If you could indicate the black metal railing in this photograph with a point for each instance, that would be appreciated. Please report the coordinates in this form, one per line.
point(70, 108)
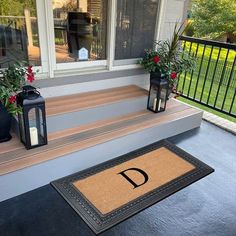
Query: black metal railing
point(213, 81)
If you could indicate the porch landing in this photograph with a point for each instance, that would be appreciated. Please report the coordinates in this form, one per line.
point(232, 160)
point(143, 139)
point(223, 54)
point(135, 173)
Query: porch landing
point(207, 207)
point(87, 129)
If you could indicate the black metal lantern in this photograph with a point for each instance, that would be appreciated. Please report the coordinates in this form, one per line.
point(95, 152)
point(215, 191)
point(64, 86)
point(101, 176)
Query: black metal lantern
point(32, 120)
point(158, 95)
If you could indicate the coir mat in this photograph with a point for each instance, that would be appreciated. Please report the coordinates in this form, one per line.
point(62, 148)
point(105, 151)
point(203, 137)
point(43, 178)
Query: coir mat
point(111, 192)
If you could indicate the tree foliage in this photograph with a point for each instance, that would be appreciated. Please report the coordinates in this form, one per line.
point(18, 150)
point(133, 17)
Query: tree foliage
point(16, 7)
point(214, 18)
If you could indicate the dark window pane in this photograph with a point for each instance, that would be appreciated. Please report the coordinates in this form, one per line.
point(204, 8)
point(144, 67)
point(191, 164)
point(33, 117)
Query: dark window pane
point(136, 20)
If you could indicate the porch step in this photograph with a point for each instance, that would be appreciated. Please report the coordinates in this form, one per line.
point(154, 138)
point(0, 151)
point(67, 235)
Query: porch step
point(86, 129)
point(13, 155)
point(69, 111)
point(84, 108)
point(77, 102)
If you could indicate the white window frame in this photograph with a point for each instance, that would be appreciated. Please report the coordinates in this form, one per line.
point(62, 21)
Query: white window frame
point(60, 67)
point(50, 68)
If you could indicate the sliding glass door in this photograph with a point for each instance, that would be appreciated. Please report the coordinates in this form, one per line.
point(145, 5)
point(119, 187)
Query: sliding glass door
point(65, 35)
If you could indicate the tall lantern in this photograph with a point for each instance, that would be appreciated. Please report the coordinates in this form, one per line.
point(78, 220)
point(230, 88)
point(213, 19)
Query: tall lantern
point(158, 95)
point(32, 120)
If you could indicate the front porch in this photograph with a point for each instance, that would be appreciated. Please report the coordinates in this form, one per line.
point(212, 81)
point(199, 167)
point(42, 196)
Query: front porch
point(96, 110)
point(204, 208)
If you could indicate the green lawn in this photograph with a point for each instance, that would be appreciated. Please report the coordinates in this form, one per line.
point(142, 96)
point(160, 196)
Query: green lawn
point(203, 83)
point(215, 53)
point(195, 104)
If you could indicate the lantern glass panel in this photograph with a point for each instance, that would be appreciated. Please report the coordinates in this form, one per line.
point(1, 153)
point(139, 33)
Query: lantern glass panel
point(22, 127)
point(153, 97)
point(36, 129)
point(41, 124)
point(33, 130)
point(163, 96)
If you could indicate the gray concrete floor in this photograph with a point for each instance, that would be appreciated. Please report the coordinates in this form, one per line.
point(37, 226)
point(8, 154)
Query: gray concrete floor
point(207, 207)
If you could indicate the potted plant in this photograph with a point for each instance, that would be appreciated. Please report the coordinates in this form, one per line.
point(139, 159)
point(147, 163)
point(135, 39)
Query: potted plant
point(12, 80)
point(167, 59)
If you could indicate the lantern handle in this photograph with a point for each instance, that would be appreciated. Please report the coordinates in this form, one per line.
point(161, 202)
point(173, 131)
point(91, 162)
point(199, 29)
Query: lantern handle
point(27, 89)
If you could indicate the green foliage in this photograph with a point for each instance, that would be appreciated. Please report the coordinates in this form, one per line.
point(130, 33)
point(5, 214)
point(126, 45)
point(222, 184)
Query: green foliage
point(168, 57)
point(11, 82)
point(13, 77)
point(16, 7)
point(5, 98)
point(189, 30)
point(214, 18)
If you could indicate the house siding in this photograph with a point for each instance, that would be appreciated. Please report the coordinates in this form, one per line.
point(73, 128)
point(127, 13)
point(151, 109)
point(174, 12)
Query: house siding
point(173, 11)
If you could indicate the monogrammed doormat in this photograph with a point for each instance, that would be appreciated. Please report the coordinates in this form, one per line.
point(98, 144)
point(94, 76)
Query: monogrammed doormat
point(111, 192)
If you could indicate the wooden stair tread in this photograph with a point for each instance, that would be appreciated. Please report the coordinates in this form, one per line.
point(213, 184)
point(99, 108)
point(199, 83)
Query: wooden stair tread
point(16, 144)
point(13, 144)
point(78, 138)
point(93, 94)
point(76, 102)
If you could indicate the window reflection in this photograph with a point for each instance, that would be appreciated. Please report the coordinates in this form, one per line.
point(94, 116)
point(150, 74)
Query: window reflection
point(80, 24)
point(18, 32)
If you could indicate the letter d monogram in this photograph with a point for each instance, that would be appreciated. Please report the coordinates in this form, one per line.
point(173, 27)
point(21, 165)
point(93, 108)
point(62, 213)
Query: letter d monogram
point(130, 180)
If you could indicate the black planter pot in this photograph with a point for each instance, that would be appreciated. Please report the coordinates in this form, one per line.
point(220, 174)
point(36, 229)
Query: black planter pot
point(5, 124)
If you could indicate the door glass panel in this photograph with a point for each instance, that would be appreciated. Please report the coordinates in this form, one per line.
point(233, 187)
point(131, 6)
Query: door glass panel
point(80, 30)
point(135, 24)
point(18, 32)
